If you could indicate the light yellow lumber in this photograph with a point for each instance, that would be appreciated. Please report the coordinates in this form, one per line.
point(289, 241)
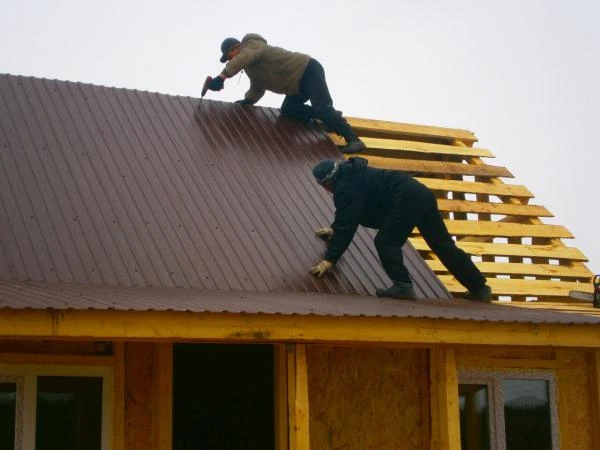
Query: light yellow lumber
point(525, 250)
point(405, 129)
point(493, 208)
point(511, 268)
point(424, 147)
point(299, 438)
point(502, 229)
point(436, 167)
point(227, 327)
point(445, 423)
point(475, 187)
point(524, 287)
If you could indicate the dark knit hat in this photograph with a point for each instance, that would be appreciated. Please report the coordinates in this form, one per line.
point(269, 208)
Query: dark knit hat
point(324, 172)
point(225, 46)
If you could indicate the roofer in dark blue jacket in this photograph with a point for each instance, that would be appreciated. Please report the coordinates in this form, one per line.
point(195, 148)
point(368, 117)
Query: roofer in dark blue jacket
point(394, 203)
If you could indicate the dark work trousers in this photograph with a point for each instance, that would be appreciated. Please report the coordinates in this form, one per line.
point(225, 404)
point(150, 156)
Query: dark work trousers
point(313, 87)
point(414, 205)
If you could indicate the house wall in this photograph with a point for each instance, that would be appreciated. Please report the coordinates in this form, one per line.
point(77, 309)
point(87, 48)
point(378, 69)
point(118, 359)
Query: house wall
point(359, 397)
point(368, 398)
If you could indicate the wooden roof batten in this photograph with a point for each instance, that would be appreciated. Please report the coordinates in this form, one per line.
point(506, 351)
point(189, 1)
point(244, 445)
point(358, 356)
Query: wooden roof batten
point(494, 221)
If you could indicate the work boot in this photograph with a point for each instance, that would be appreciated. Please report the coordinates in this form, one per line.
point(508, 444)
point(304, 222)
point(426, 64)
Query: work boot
point(353, 145)
point(398, 290)
point(483, 294)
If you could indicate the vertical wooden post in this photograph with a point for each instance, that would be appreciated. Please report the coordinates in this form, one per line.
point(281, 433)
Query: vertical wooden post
point(299, 438)
point(281, 397)
point(445, 420)
point(119, 396)
point(163, 396)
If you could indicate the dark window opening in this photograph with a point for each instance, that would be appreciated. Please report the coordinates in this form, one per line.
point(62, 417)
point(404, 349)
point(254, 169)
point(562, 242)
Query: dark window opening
point(69, 413)
point(223, 397)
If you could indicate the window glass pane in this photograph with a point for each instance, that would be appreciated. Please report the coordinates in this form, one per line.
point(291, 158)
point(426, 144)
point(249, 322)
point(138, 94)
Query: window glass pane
point(8, 407)
point(474, 417)
point(527, 414)
point(69, 413)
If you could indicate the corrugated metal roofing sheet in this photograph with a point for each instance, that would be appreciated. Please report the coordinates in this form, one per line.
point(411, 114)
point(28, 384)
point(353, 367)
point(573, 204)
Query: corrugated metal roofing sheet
point(120, 187)
point(65, 296)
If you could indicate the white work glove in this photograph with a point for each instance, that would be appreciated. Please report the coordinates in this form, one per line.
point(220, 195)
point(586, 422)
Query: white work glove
point(320, 269)
point(325, 233)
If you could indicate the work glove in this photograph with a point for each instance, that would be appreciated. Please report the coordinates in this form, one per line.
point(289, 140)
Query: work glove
point(325, 233)
point(320, 269)
point(216, 84)
point(244, 101)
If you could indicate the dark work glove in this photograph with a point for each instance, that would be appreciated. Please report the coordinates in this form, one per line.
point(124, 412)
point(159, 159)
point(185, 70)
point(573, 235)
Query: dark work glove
point(245, 101)
point(216, 84)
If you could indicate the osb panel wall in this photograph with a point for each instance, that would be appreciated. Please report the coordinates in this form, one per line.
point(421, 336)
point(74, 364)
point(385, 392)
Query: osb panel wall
point(574, 386)
point(139, 360)
point(368, 398)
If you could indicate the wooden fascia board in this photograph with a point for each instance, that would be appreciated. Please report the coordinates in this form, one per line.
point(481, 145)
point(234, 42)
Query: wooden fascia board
point(169, 325)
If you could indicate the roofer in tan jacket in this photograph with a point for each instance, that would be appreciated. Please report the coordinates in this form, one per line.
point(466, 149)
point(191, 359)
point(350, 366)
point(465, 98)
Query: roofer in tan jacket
point(298, 76)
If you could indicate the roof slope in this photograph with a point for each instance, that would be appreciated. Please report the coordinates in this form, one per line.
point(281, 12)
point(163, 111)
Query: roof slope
point(110, 186)
point(490, 218)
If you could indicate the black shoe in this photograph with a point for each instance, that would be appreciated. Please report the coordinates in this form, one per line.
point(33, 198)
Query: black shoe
point(398, 290)
point(483, 294)
point(353, 145)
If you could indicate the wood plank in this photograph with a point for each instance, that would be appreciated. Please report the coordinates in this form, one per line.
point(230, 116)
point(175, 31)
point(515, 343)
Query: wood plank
point(153, 325)
point(493, 208)
point(475, 187)
point(527, 251)
point(445, 423)
point(162, 410)
point(510, 268)
point(406, 129)
point(299, 438)
point(436, 167)
point(524, 287)
point(424, 147)
point(281, 397)
point(502, 229)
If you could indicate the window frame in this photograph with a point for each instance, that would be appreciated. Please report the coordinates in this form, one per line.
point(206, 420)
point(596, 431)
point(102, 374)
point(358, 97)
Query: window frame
point(493, 379)
point(25, 375)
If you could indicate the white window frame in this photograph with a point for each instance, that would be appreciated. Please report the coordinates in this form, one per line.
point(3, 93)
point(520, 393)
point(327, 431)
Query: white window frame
point(493, 380)
point(25, 375)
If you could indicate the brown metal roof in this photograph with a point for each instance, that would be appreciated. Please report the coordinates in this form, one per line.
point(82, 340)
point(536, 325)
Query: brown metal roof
point(117, 187)
point(72, 296)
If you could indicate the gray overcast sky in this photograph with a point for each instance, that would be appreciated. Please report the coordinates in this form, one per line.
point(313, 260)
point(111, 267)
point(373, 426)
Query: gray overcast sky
point(521, 74)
